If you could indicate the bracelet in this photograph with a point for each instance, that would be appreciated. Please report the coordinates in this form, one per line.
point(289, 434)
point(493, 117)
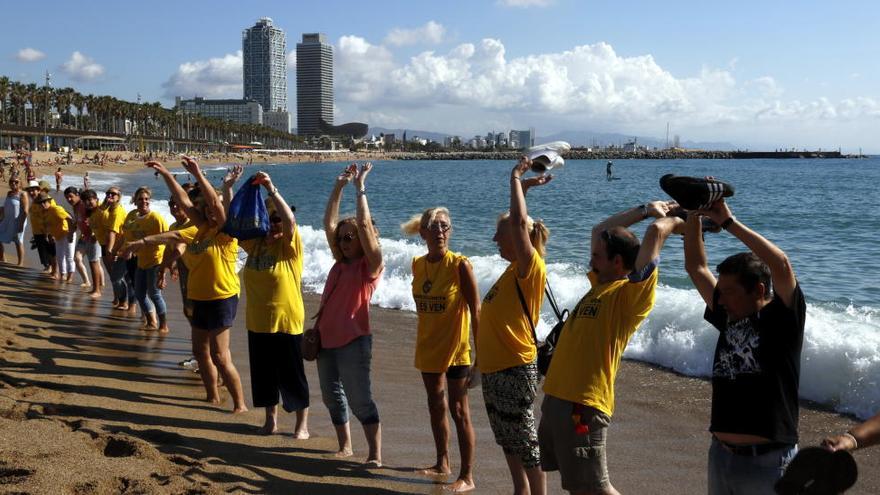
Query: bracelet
point(273, 192)
point(644, 209)
point(855, 442)
point(361, 192)
point(727, 223)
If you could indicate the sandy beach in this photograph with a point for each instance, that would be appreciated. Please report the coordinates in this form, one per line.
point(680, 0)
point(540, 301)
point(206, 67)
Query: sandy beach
point(91, 404)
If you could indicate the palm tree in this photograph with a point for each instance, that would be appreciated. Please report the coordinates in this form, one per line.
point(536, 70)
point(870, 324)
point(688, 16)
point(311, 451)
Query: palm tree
point(4, 95)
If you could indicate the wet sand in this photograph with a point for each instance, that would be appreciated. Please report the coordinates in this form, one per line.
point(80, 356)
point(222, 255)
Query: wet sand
point(91, 404)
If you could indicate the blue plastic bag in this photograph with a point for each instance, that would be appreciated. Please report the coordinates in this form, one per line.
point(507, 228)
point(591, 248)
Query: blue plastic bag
point(248, 217)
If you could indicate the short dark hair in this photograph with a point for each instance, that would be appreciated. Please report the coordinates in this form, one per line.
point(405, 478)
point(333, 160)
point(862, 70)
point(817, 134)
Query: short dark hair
point(749, 271)
point(88, 194)
point(620, 241)
point(71, 189)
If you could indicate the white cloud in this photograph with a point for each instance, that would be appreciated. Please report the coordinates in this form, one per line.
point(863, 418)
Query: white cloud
point(291, 60)
point(524, 3)
point(431, 33)
point(219, 77)
point(361, 70)
point(29, 55)
point(82, 68)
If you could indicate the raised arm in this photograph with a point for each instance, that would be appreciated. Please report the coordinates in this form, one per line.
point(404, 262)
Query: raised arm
point(212, 201)
point(178, 194)
point(656, 209)
point(519, 213)
point(331, 213)
point(695, 262)
point(229, 180)
point(366, 230)
point(288, 220)
point(781, 271)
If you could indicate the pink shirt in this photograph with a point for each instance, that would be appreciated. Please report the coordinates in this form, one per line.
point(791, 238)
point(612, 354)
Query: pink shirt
point(346, 303)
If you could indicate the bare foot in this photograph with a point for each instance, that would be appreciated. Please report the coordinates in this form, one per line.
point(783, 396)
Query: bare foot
point(121, 307)
point(239, 410)
point(460, 486)
point(215, 401)
point(343, 453)
point(268, 429)
point(95, 295)
point(372, 463)
point(435, 470)
point(301, 435)
point(163, 329)
point(85, 285)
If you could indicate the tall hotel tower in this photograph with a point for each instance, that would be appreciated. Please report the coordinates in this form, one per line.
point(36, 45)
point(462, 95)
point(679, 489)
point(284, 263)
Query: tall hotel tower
point(264, 48)
point(314, 84)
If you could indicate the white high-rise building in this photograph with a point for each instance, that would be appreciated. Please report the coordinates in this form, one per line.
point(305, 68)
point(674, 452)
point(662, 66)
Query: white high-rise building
point(264, 53)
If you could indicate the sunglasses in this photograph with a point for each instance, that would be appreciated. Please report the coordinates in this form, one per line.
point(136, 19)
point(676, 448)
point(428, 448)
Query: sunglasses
point(439, 227)
point(347, 237)
point(112, 193)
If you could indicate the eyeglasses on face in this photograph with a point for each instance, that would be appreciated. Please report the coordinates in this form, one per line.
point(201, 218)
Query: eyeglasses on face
point(347, 237)
point(439, 227)
point(112, 193)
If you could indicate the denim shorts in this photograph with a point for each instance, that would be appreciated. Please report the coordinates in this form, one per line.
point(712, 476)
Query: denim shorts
point(90, 250)
point(218, 314)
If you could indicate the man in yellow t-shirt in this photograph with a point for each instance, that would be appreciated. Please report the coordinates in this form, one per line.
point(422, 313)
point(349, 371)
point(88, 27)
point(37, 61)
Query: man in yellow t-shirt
point(579, 389)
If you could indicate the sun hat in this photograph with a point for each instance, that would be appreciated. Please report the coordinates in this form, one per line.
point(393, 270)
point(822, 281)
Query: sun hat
point(695, 193)
point(33, 185)
point(44, 185)
point(43, 197)
point(547, 156)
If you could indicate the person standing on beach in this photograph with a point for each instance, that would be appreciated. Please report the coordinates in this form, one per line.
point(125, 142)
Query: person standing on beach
point(37, 214)
point(59, 176)
point(110, 218)
point(72, 195)
point(275, 312)
point(14, 219)
point(213, 285)
point(62, 228)
point(579, 389)
point(506, 343)
point(88, 242)
point(447, 302)
point(757, 305)
point(344, 319)
point(148, 294)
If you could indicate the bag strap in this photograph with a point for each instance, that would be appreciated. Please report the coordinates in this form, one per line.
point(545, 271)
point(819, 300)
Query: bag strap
point(525, 307)
point(560, 315)
point(317, 316)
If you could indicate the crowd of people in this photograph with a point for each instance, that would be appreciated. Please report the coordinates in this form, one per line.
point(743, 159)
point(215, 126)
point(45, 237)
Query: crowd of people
point(755, 302)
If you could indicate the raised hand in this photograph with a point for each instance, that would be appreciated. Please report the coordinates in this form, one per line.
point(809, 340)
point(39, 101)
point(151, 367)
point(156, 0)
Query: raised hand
point(659, 209)
point(232, 175)
point(262, 178)
point(361, 176)
point(521, 167)
point(347, 175)
point(718, 212)
point(538, 180)
point(190, 165)
point(157, 167)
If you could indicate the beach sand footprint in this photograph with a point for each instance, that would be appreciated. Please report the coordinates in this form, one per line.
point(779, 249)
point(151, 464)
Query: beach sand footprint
point(11, 475)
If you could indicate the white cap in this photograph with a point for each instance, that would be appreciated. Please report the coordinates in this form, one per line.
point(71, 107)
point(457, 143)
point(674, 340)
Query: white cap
point(547, 156)
point(33, 183)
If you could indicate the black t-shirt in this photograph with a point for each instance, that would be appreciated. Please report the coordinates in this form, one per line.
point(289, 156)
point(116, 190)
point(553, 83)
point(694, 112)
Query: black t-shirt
point(756, 370)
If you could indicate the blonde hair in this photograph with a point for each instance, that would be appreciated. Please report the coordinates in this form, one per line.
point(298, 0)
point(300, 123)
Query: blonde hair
point(417, 222)
point(539, 234)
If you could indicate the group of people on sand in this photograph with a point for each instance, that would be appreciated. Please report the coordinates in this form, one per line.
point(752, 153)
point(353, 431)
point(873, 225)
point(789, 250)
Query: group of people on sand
point(755, 302)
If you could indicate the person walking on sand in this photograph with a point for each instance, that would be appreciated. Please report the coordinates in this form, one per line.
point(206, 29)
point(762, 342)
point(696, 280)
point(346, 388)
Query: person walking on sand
point(757, 305)
point(579, 389)
point(72, 195)
point(13, 219)
point(62, 228)
point(447, 302)
point(59, 176)
point(275, 312)
point(88, 242)
point(344, 319)
point(147, 292)
point(506, 347)
point(213, 285)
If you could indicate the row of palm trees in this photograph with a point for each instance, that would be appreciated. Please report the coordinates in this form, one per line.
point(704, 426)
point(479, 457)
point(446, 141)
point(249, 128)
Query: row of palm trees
point(44, 107)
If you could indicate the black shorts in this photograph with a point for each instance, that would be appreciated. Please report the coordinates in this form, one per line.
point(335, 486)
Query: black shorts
point(454, 372)
point(277, 370)
point(218, 314)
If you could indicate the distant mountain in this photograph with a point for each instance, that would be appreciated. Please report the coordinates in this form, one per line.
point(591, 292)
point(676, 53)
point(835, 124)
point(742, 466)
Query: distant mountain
point(603, 139)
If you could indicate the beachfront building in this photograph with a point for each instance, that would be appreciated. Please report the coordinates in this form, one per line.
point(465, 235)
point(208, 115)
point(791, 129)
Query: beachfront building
point(264, 63)
point(522, 139)
point(238, 111)
point(314, 84)
point(278, 120)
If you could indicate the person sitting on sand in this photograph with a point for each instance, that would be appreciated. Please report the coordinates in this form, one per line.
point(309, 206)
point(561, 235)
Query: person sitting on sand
point(447, 302)
point(758, 307)
point(88, 242)
point(579, 389)
point(62, 228)
point(148, 294)
point(344, 318)
point(213, 284)
point(13, 219)
point(506, 346)
point(72, 195)
point(275, 312)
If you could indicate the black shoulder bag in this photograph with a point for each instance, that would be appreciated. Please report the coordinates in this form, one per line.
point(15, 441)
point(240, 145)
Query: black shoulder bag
point(545, 350)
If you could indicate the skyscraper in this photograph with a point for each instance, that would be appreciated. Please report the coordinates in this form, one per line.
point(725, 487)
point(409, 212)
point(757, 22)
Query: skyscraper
point(314, 84)
point(264, 49)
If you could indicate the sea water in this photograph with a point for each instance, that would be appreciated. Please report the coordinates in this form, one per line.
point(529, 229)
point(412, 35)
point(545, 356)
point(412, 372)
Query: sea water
point(822, 213)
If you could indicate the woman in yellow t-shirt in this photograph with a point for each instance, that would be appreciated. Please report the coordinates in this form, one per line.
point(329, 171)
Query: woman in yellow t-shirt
point(213, 282)
point(146, 222)
point(275, 312)
point(447, 302)
point(506, 347)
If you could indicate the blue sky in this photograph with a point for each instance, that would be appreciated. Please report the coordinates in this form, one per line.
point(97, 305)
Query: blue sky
point(758, 74)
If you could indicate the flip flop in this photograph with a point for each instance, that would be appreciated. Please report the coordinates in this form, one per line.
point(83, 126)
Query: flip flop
point(817, 471)
point(695, 193)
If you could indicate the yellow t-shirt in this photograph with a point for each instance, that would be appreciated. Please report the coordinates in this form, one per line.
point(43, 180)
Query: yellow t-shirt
point(113, 221)
point(505, 339)
point(37, 216)
point(444, 316)
point(588, 353)
point(273, 284)
point(187, 228)
point(56, 222)
point(210, 257)
point(96, 222)
point(137, 227)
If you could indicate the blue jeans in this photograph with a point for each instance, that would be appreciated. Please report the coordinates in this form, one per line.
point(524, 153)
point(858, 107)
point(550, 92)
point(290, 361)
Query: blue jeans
point(149, 297)
point(117, 279)
point(344, 373)
point(733, 474)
